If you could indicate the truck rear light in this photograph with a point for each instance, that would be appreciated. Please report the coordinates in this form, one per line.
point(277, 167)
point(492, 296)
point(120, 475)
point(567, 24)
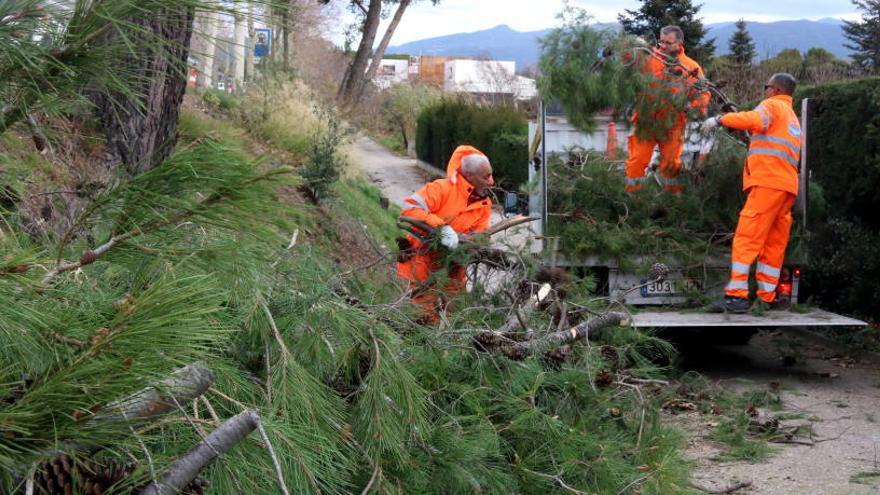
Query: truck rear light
point(783, 289)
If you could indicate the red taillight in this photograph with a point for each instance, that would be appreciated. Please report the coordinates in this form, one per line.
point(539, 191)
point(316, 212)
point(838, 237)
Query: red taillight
point(784, 289)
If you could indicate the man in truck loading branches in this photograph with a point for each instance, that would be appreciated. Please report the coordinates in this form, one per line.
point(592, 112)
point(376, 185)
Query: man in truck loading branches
point(458, 204)
point(668, 63)
point(770, 178)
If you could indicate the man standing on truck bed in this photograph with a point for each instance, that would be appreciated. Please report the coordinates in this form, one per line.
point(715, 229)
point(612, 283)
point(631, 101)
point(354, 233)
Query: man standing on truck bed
point(770, 178)
point(669, 63)
point(458, 204)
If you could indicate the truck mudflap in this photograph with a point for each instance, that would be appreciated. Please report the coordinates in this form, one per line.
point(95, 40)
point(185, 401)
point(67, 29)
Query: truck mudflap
point(770, 319)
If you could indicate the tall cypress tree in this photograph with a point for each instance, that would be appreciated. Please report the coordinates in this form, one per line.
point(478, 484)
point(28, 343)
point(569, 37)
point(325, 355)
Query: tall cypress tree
point(865, 35)
point(742, 48)
point(654, 14)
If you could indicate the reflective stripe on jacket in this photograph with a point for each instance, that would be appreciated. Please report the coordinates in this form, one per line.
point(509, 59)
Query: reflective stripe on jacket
point(445, 201)
point(775, 150)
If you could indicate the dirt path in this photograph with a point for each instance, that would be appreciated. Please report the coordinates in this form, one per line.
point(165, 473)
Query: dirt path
point(396, 176)
point(836, 394)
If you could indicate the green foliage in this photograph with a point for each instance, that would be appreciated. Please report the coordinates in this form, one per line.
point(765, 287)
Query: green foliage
point(865, 35)
point(655, 14)
point(844, 146)
point(361, 200)
point(220, 100)
point(574, 72)
point(402, 107)
point(594, 216)
point(500, 132)
point(324, 160)
point(282, 113)
point(577, 70)
point(741, 46)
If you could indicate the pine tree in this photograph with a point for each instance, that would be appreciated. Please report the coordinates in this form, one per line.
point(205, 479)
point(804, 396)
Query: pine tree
point(654, 14)
point(865, 35)
point(742, 48)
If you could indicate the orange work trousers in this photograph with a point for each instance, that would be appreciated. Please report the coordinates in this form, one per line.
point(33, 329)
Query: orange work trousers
point(417, 270)
point(639, 155)
point(762, 234)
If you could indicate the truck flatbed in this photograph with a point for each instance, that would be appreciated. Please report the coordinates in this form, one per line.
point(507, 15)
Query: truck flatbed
point(770, 319)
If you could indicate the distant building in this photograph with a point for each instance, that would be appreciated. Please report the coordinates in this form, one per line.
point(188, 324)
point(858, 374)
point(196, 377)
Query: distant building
point(390, 72)
point(481, 78)
point(487, 77)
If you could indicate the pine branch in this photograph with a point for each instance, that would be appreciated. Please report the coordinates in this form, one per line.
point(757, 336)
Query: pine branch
point(184, 385)
point(91, 255)
point(220, 441)
point(496, 340)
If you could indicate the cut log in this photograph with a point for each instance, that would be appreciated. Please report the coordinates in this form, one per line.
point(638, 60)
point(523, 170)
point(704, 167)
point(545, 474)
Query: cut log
point(185, 469)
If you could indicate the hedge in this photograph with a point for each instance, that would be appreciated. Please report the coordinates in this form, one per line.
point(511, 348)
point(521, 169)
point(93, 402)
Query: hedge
point(844, 158)
point(501, 132)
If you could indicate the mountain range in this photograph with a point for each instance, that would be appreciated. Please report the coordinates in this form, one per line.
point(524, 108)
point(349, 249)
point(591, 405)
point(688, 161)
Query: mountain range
point(504, 43)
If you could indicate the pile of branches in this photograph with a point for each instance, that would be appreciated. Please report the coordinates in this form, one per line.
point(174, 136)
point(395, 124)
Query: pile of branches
point(594, 216)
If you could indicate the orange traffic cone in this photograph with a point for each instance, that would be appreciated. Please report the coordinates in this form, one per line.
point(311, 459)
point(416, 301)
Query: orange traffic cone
point(611, 142)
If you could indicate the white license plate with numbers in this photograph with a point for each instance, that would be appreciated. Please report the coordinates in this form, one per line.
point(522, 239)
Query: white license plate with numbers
point(670, 287)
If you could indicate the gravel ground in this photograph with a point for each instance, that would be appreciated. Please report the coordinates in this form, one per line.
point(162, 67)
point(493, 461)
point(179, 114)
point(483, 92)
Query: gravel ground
point(837, 393)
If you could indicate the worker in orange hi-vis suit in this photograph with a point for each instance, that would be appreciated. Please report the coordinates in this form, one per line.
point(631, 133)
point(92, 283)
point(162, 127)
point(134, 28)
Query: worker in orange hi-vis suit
point(770, 178)
point(669, 63)
point(458, 204)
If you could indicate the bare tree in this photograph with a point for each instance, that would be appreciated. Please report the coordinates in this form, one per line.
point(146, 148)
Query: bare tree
point(352, 87)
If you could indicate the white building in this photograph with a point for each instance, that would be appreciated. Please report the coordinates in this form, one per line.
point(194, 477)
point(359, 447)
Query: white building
point(487, 77)
point(391, 71)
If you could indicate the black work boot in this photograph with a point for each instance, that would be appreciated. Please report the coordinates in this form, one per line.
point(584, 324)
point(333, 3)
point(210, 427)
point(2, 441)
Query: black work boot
point(730, 304)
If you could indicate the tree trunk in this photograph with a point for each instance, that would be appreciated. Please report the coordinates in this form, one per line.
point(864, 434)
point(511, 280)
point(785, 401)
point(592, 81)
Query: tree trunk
point(251, 34)
point(239, 47)
point(204, 46)
point(383, 45)
point(354, 76)
point(141, 130)
point(290, 30)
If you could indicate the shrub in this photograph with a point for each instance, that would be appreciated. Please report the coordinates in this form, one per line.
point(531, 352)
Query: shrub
point(500, 132)
point(844, 158)
point(324, 161)
point(220, 100)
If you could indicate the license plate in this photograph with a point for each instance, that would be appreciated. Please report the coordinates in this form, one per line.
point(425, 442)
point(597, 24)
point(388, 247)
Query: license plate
point(669, 287)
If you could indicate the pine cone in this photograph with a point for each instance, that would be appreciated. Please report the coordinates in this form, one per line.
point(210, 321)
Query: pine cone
point(610, 355)
point(658, 272)
point(604, 378)
point(64, 476)
point(88, 257)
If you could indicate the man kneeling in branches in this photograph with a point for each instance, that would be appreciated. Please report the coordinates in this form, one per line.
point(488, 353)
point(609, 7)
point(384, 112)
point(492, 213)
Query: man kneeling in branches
point(458, 204)
point(669, 65)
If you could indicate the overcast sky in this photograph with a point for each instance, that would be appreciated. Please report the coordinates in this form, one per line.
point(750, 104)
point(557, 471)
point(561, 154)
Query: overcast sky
point(457, 16)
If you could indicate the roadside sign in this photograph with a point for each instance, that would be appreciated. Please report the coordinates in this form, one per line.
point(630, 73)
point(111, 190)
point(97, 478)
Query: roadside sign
point(262, 42)
point(193, 77)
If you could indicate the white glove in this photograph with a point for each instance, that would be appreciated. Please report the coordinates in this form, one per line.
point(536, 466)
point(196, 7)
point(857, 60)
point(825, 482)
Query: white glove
point(709, 125)
point(448, 237)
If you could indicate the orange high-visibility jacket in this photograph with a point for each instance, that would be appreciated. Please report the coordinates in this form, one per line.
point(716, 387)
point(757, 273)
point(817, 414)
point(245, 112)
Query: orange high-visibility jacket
point(655, 66)
point(775, 150)
point(445, 201)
